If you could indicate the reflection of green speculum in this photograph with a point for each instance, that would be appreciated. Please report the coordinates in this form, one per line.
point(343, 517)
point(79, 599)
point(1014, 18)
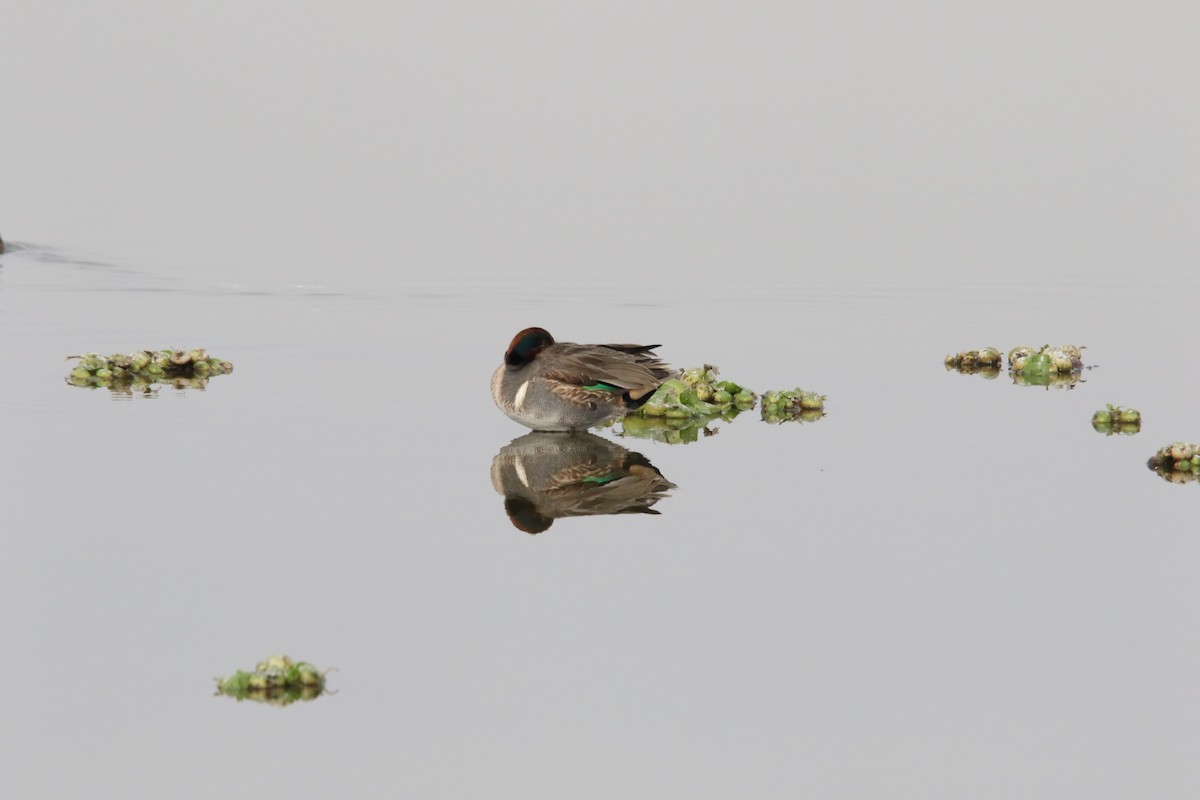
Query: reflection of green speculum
point(126, 372)
point(278, 681)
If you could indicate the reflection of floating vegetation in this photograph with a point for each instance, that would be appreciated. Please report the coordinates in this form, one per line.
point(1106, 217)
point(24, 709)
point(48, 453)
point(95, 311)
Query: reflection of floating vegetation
point(136, 372)
point(1115, 419)
point(669, 430)
point(1047, 380)
point(1178, 462)
point(545, 476)
point(697, 393)
point(792, 405)
point(278, 681)
point(986, 361)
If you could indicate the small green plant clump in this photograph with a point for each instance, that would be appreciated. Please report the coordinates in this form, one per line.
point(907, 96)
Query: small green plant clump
point(1065, 358)
point(986, 361)
point(278, 681)
point(698, 393)
point(1178, 462)
point(184, 368)
point(1115, 419)
point(792, 405)
point(1046, 366)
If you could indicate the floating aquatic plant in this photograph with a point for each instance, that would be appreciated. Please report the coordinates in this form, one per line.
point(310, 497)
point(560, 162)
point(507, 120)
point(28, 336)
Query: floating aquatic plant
point(986, 361)
point(1046, 366)
point(278, 681)
point(697, 393)
point(1115, 419)
point(1178, 462)
point(792, 405)
point(139, 371)
point(1062, 359)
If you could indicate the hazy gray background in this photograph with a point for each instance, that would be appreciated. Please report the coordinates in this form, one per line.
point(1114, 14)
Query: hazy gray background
point(391, 141)
point(948, 587)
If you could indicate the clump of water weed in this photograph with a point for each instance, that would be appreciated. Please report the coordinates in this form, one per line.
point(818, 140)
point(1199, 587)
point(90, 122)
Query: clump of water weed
point(1115, 419)
point(277, 681)
point(141, 370)
point(792, 405)
point(1178, 462)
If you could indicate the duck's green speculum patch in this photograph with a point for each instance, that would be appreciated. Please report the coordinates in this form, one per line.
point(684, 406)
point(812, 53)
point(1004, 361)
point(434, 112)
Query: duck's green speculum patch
point(278, 681)
point(1178, 462)
point(138, 371)
point(1115, 419)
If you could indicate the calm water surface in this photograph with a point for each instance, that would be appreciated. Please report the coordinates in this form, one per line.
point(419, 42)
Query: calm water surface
point(948, 587)
point(946, 583)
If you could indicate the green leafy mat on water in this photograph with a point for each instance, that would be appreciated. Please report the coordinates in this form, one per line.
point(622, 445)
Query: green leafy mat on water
point(138, 371)
point(1046, 366)
point(278, 681)
point(697, 392)
point(681, 409)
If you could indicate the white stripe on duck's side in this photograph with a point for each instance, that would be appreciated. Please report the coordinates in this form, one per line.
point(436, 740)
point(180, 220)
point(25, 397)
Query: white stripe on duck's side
point(521, 473)
point(520, 398)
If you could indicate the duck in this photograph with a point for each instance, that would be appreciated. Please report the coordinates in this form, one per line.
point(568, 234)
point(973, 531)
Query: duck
point(562, 386)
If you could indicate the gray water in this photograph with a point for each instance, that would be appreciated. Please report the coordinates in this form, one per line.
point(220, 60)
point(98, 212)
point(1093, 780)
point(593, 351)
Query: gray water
point(947, 587)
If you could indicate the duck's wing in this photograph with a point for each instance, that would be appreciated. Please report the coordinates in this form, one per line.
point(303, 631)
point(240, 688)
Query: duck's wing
point(608, 368)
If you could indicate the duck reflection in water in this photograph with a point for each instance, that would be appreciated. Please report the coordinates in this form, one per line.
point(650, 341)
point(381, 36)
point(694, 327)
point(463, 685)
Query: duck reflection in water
point(544, 476)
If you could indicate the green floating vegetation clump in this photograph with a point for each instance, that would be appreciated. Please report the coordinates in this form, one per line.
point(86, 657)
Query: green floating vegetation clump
point(278, 681)
point(791, 405)
point(127, 372)
point(1115, 419)
point(698, 393)
point(1046, 366)
point(1063, 359)
point(1178, 462)
point(986, 361)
